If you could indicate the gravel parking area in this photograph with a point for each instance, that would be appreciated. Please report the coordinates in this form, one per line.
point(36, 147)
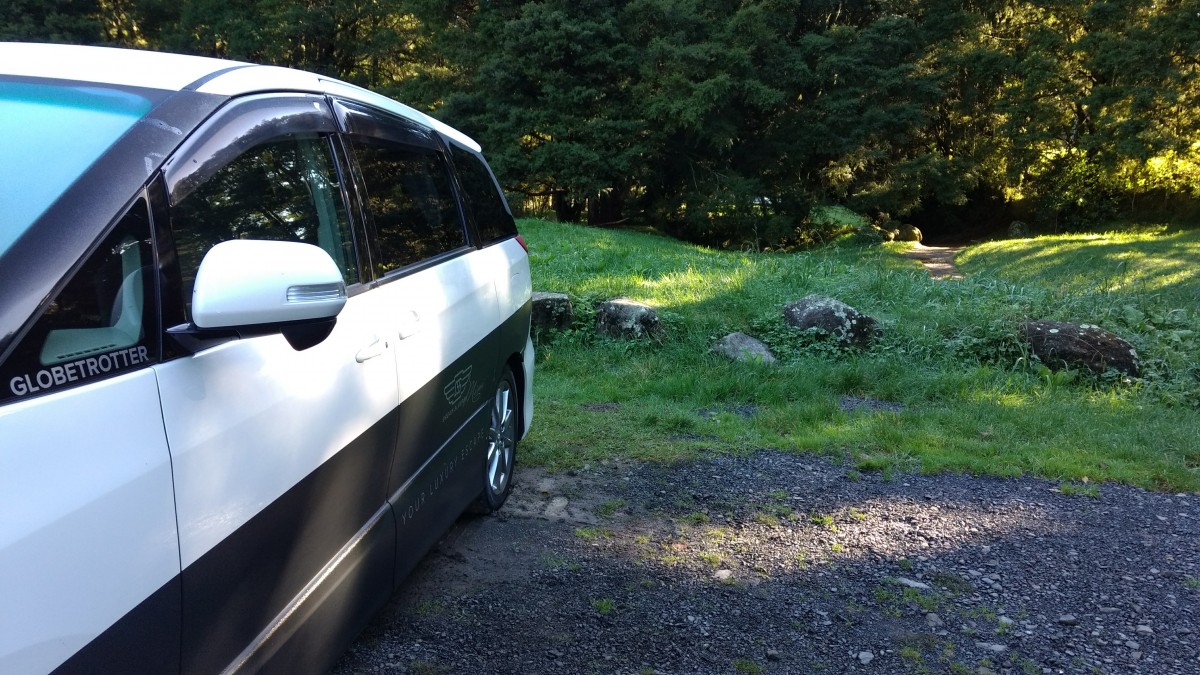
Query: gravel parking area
point(782, 563)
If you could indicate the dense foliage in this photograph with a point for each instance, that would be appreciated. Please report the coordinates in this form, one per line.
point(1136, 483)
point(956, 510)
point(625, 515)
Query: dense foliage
point(730, 120)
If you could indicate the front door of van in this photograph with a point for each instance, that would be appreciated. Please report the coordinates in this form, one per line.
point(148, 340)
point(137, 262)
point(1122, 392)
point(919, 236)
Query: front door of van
point(280, 456)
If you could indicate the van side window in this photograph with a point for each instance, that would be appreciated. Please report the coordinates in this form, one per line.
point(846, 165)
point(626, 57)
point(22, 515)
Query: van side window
point(96, 325)
point(410, 201)
point(284, 190)
point(483, 200)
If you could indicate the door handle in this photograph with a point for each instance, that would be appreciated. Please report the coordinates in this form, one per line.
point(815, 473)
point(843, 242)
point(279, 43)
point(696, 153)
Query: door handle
point(372, 350)
point(410, 324)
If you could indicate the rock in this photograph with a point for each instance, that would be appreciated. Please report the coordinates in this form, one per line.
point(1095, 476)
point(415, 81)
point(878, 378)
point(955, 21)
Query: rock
point(1018, 230)
point(627, 319)
point(912, 584)
point(1061, 344)
point(934, 620)
point(908, 233)
point(772, 655)
point(839, 320)
point(551, 311)
point(742, 347)
point(1145, 630)
point(865, 657)
point(723, 575)
point(557, 507)
point(1068, 620)
point(992, 647)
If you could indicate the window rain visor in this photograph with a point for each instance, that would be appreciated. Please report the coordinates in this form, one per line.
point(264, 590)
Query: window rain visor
point(49, 135)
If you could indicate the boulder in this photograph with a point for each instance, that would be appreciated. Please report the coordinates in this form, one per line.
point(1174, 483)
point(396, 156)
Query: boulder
point(626, 319)
point(1061, 344)
point(1018, 230)
point(834, 317)
point(551, 311)
point(742, 347)
point(908, 233)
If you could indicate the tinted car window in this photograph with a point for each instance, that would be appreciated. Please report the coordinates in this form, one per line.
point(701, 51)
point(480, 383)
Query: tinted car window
point(284, 190)
point(410, 202)
point(485, 205)
point(95, 326)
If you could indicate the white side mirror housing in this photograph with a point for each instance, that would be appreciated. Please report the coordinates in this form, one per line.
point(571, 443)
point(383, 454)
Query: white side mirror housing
point(247, 282)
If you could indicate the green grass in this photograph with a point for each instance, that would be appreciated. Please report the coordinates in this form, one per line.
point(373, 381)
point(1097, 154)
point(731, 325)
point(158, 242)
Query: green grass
point(1075, 489)
point(603, 606)
point(746, 666)
point(591, 534)
point(949, 353)
point(609, 508)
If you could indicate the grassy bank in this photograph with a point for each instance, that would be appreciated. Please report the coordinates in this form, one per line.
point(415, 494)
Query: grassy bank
point(950, 355)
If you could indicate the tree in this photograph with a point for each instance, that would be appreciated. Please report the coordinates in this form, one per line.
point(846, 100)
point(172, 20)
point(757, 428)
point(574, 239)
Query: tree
point(69, 21)
point(548, 94)
point(375, 44)
point(725, 120)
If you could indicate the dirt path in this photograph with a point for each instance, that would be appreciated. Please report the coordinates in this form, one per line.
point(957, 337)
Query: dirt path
point(792, 563)
point(939, 260)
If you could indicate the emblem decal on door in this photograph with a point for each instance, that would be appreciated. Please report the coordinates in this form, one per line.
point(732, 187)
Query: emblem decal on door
point(456, 391)
point(460, 390)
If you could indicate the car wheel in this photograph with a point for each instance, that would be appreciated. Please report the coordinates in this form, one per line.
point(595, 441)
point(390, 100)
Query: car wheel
point(501, 454)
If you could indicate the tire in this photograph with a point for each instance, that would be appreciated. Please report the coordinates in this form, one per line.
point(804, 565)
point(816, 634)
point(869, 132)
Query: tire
point(500, 458)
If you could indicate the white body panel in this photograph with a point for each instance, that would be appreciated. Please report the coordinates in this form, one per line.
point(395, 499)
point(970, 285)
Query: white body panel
point(513, 265)
point(87, 520)
point(154, 70)
point(251, 418)
point(509, 266)
point(527, 397)
point(438, 314)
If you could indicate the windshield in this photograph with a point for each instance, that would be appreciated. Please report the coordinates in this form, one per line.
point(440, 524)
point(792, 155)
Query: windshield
point(49, 135)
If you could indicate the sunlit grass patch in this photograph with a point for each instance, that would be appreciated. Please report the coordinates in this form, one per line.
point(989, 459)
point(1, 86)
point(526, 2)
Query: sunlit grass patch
point(959, 388)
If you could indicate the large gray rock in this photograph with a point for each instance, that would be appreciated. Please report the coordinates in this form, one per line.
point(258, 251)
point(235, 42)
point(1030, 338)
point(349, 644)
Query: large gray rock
point(742, 347)
point(834, 317)
point(551, 311)
point(1061, 344)
point(627, 319)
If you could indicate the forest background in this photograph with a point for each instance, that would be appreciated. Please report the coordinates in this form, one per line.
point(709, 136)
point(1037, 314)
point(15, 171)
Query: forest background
point(728, 122)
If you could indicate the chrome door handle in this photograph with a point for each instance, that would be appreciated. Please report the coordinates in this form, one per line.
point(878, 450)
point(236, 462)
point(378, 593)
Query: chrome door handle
point(372, 350)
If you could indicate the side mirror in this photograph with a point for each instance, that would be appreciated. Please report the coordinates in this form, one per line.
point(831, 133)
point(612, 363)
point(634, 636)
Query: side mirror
point(248, 287)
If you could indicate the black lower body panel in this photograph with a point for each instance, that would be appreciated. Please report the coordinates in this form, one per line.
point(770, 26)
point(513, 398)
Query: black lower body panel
point(146, 640)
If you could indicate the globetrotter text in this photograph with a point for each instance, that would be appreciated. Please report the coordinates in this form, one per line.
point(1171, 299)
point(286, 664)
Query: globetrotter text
point(73, 371)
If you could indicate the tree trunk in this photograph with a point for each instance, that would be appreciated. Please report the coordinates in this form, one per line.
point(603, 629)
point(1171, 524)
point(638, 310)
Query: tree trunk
point(568, 210)
point(606, 208)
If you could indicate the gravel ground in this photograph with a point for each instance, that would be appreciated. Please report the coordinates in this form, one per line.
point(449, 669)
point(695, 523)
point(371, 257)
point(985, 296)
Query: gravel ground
point(782, 563)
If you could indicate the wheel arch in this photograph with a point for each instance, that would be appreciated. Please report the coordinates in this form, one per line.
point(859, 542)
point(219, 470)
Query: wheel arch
point(522, 365)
